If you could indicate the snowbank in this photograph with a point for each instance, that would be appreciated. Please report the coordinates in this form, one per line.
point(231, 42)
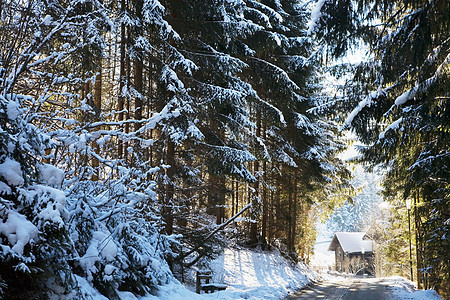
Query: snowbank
point(248, 275)
point(403, 288)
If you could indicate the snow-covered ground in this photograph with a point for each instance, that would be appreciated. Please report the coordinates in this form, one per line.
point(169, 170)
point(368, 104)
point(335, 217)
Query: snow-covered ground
point(403, 288)
point(266, 275)
point(248, 275)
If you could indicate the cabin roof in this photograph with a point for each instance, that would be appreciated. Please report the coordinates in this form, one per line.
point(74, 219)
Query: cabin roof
point(351, 242)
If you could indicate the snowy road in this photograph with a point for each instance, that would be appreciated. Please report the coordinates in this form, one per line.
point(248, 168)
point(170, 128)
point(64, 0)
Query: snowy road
point(349, 289)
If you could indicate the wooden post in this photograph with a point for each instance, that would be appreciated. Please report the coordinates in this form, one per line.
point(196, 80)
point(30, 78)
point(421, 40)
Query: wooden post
point(197, 283)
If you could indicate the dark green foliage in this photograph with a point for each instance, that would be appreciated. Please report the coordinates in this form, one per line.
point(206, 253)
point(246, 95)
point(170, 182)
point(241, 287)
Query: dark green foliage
point(402, 97)
point(337, 27)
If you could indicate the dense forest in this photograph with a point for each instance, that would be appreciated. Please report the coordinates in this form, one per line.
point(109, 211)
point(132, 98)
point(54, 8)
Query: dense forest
point(134, 132)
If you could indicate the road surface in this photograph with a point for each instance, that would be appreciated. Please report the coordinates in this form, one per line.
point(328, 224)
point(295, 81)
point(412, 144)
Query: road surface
point(346, 289)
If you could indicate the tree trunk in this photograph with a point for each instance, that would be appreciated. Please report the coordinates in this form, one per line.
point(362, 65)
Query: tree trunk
point(255, 216)
point(264, 197)
point(215, 203)
point(237, 197)
point(271, 214)
point(97, 109)
point(138, 69)
point(294, 213)
point(121, 100)
point(289, 236)
point(168, 199)
point(127, 100)
point(138, 84)
point(233, 197)
point(222, 189)
point(279, 223)
point(216, 191)
point(418, 240)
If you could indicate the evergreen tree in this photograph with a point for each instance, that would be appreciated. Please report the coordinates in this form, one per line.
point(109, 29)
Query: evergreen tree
point(34, 228)
point(398, 100)
point(103, 229)
point(299, 145)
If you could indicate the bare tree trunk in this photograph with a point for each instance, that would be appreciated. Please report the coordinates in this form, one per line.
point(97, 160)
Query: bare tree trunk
point(271, 216)
point(122, 74)
point(294, 213)
point(264, 196)
point(233, 197)
point(222, 187)
point(150, 106)
point(289, 235)
point(168, 199)
point(127, 100)
point(256, 186)
point(278, 209)
point(138, 68)
point(215, 192)
point(237, 197)
point(97, 109)
point(418, 241)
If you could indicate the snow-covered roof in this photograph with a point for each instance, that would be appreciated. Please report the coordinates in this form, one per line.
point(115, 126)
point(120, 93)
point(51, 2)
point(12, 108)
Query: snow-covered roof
point(351, 242)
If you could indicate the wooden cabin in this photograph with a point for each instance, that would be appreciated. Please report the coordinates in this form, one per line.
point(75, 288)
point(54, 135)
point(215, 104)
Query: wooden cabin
point(353, 253)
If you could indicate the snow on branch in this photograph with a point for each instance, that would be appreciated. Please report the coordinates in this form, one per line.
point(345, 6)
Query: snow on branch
point(434, 54)
point(392, 126)
point(303, 122)
point(285, 158)
point(424, 159)
point(262, 18)
point(153, 14)
point(32, 51)
point(19, 231)
point(424, 86)
point(315, 17)
point(403, 98)
point(367, 101)
point(279, 73)
point(222, 94)
point(268, 11)
point(270, 107)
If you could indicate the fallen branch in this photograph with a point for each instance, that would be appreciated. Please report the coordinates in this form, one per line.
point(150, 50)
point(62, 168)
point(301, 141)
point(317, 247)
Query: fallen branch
point(219, 228)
